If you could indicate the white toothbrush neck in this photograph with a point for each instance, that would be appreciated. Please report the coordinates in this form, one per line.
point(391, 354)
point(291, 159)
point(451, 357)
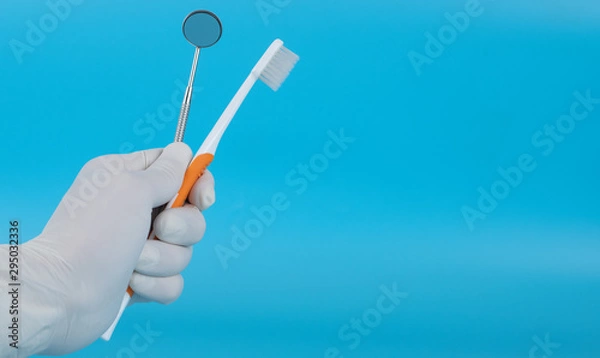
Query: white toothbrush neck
point(212, 140)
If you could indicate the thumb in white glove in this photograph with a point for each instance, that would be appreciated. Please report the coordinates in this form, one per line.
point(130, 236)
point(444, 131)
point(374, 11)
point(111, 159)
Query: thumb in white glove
point(76, 272)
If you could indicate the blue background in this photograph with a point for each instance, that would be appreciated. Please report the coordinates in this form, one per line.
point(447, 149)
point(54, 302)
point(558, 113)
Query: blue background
point(386, 211)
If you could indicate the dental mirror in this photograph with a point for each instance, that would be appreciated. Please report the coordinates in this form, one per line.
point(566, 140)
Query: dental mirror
point(202, 28)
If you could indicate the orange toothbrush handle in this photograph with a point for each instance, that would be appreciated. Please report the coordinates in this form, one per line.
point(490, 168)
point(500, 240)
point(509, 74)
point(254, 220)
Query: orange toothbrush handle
point(192, 174)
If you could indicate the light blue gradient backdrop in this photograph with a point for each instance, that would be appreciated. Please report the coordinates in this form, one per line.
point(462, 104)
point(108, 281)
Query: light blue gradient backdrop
point(388, 210)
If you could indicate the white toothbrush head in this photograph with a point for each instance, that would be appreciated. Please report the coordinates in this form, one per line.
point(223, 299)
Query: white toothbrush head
point(275, 65)
point(273, 68)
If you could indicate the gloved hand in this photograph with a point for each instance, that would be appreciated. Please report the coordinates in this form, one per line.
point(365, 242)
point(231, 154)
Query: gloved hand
point(75, 273)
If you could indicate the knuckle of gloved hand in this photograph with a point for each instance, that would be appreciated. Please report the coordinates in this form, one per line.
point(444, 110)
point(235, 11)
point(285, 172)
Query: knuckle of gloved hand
point(174, 291)
point(91, 164)
point(183, 227)
point(185, 256)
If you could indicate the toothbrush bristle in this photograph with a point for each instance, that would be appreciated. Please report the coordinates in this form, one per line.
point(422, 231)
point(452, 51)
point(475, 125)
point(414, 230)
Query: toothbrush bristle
point(279, 68)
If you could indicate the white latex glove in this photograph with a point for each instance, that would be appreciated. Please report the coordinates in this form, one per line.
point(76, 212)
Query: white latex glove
point(75, 273)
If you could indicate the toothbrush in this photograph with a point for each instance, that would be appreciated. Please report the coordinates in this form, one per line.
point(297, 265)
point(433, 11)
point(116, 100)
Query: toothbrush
point(273, 68)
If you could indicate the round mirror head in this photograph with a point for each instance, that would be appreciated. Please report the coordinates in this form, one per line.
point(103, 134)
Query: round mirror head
point(202, 28)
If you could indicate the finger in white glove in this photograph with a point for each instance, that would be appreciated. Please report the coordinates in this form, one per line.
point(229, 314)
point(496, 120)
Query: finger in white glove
point(203, 192)
point(156, 277)
point(164, 175)
point(163, 290)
